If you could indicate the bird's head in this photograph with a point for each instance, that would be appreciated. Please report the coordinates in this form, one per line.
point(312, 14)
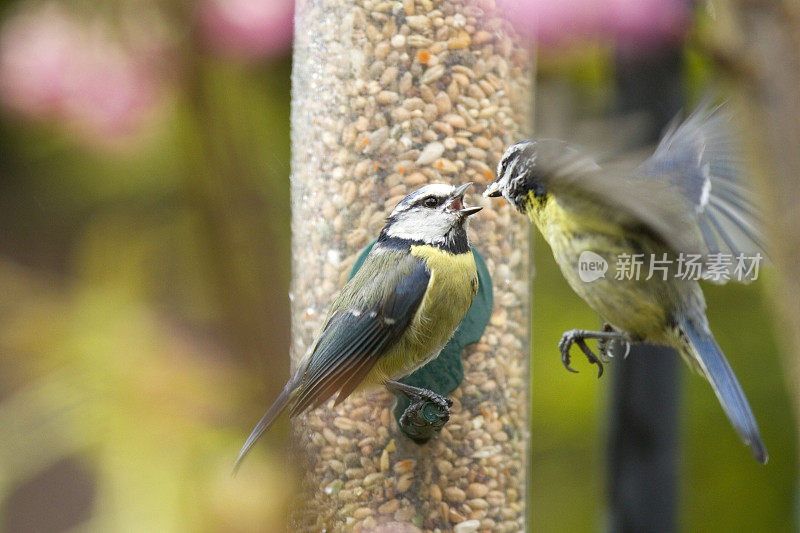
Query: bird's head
point(434, 214)
point(517, 175)
point(530, 168)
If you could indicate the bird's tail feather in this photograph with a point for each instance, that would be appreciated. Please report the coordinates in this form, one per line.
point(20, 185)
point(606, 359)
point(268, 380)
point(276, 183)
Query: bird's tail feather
point(711, 361)
point(274, 411)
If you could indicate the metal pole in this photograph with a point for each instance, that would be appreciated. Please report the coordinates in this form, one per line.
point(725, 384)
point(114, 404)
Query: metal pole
point(643, 428)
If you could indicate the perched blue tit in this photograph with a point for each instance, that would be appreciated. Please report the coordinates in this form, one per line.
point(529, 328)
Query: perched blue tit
point(395, 314)
point(688, 197)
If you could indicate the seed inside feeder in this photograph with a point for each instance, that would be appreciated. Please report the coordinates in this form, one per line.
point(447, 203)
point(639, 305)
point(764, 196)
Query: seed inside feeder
point(435, 98)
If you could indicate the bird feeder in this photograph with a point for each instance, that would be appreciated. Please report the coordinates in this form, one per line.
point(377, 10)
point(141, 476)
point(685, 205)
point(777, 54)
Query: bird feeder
point(388, 96)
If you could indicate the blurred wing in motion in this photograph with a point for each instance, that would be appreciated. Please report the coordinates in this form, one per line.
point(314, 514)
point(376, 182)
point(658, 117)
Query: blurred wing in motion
point(654, 206)
point(699, 158)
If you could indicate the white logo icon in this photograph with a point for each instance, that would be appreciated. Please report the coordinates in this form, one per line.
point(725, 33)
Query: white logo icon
point(591, 266)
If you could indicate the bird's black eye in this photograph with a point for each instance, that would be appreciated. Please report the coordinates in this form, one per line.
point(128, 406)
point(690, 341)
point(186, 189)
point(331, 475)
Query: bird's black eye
point(431, 201)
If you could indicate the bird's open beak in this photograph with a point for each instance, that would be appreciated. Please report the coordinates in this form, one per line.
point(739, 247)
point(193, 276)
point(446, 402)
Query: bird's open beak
point(456, 202)
point(493, 190)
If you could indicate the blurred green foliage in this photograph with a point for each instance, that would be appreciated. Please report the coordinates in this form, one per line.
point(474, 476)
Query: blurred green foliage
point(142, 288)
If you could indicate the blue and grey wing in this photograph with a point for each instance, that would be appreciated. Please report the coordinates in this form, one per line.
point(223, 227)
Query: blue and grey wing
point(700, 159)
point(357, 336)
point(640, 205)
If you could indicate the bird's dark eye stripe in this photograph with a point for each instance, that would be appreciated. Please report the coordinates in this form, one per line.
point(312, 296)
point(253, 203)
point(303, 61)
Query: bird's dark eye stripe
point(430, 201)
point(506, 163)
point(503, 165)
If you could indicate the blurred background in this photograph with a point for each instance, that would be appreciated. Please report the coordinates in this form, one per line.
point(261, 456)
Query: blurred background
point(144, 266)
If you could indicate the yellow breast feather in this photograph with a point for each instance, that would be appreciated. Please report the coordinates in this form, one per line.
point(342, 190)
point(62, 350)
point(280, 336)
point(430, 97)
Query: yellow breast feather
point(452, 287)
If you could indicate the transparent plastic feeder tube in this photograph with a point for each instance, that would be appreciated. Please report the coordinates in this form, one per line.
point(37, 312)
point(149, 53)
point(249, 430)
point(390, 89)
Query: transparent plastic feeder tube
point(388, 96)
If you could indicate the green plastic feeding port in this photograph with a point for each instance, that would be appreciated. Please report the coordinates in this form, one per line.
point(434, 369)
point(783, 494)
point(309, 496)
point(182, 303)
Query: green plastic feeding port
point(422, 421)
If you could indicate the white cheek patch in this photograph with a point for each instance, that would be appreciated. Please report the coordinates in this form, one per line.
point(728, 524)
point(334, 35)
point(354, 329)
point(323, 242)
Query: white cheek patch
point(431, 228)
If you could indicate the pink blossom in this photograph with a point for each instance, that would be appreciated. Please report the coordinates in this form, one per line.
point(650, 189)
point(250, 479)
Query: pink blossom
point(647, 23)
point(247, 29)
point(35, 53)
point(54, 66)
point(628, 23)
point(555, 22)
